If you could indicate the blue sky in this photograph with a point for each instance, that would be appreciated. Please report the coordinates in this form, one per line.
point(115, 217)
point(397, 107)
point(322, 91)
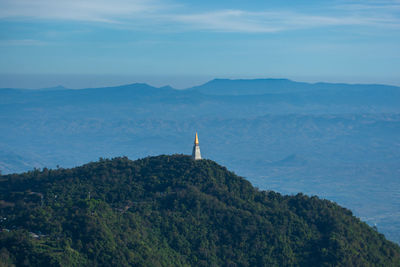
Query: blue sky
point(51, 42)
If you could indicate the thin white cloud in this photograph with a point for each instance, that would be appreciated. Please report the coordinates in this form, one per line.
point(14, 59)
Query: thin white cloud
point(230, 21)
point(152, 14)
point(266, 22)
point(22, 42)
point(83, 10)
point(392, 7)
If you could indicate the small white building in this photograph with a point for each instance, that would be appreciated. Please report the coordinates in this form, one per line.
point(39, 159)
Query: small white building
point(196, 149)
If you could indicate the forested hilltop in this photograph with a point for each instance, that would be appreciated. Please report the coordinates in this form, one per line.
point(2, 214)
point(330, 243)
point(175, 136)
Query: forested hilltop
point(173, 211)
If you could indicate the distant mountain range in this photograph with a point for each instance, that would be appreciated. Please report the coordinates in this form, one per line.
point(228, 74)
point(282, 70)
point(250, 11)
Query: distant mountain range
point(280, 86)
point(337, 141)
point(244, 91)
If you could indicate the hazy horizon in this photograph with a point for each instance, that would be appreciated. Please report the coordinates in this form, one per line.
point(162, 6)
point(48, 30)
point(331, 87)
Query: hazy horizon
point(81, 81)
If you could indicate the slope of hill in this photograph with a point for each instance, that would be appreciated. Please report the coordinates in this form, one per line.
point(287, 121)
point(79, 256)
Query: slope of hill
point(171, 210)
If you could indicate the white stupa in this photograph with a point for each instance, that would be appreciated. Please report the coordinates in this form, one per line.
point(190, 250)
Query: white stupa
point(196, 149)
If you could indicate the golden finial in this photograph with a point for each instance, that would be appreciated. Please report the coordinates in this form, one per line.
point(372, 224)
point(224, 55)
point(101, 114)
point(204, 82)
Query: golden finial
point(196, 140)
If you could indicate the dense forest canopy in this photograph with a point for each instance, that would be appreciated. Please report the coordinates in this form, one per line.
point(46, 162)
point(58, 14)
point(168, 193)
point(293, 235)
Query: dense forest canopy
point(173, 211)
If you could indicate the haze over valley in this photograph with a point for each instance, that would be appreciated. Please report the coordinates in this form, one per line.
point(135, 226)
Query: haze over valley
point(337, 141)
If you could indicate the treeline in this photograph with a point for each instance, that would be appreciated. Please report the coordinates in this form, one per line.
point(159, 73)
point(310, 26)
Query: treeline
point(173, 211)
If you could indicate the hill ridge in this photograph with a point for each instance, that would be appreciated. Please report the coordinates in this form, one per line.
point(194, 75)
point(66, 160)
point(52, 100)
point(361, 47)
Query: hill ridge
point(171, 210)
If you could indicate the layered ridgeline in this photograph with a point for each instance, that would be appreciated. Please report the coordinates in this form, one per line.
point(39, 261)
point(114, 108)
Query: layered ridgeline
point(173, 211)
